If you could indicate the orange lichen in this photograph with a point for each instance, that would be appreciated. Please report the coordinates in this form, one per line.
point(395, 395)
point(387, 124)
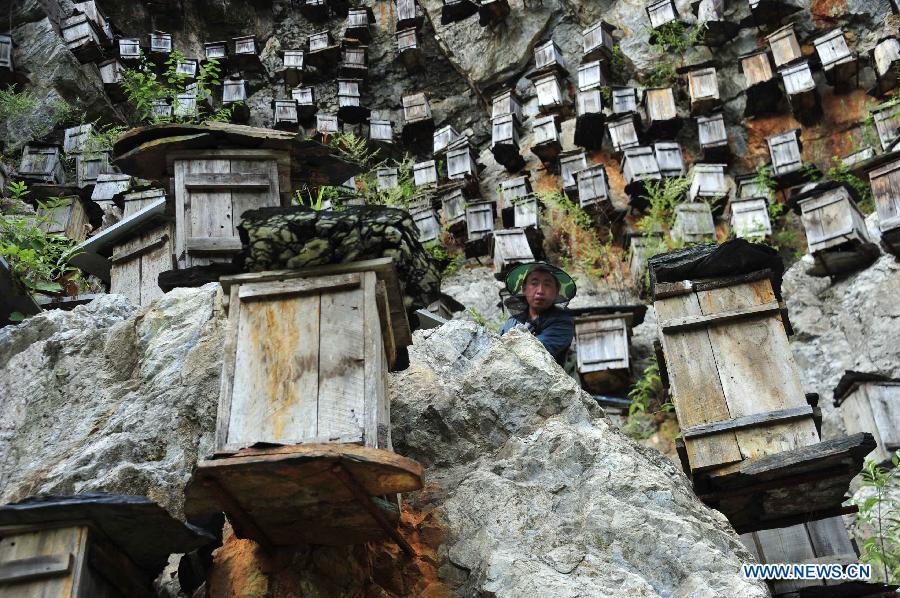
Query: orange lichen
point(758, 129)
point(826, 11)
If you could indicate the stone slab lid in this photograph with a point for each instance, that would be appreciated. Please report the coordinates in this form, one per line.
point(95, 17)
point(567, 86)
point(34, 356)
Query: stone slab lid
point(633, 313)
point(143, 151)
point(135, 524)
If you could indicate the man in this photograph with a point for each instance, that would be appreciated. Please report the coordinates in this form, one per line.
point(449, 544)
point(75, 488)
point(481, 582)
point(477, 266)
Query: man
point(543, 286)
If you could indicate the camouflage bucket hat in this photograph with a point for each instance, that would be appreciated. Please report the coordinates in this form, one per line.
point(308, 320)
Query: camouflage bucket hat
point(516, 278)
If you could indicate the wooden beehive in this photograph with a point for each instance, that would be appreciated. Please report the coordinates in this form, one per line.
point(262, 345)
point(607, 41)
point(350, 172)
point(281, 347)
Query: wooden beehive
point(703, 88)
point(6, 54)
point(160, 42)
point(749, 186)
point(234, 91)
point(418, 124)
point(886, 59)
point(858, 157)
point(589, 118)
point(82, 36)
point(453, 207)
point(669, 157)
point(479, 219)
point(660, 111)
point(457, 10)
point(545, 130)
point(507, 102)
point(661, 12)
point(186, 104)
point(321, 50)
point(409, 50)
point(138, 260)
point(642, 247)
point(215, 50)
point(887, 123)
point(750, 218)
point(785, 149)
point(694, 223)
point(590, 75)
point(129, 49)
point(41, 163)
point(425, 174)
point(443, 137)
point(623, 132)
point(358, 22)
point(569, 164)
point(327, 124)
point(871, 403)
point(89, 166)
point(593, 189)
point(66, 217)
point(603, 353)
point(245, 45)
point(510, 247)
point(409, 14)
point(76, 138)
point(784, 46)
point(109, 187)
point(835, 228)
point(284, 114)
point(492, 12)
point(350, 108)
point(515, 188)
point(381, 132)
point(885, 184)
point(638, 166)
point(386, 178)
point(712, 135)
point(801, 90)
point(314, 10)
point(838, 62)
point(525, 212)
point(708, 183)
point(160, 110)
point(549, 93)
point(427, 223)
point(756, 67)
point(505, 142)
point(306, 102)
point(293, 63)
point(354, 61)
point(624, 100)
point(760, 83)
point(597, 41)
point(461, 164)
point(548, 57)
point(187, 67)
point(212, 189)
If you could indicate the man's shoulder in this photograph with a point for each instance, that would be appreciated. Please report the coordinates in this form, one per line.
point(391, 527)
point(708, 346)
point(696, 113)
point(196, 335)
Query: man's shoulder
point(560, 313)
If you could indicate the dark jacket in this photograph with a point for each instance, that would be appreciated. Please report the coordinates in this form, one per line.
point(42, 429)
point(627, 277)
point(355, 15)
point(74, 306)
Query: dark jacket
point(554, 328)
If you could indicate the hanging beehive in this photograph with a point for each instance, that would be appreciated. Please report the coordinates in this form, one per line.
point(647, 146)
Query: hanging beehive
point(130, 49)
point(461, 164)
point(624, 100)
point(545, 131)
point(760, 83)
point(492, 12)
point(694, 223)
point(479, 219)
point(321, 50)
point(86, 32)
point(885, 184)
point(886, 59)
point(160, 42)
point(284, 114)
point(661, 13)
point(41, 163)
point(457, 10)
point(110, 187)
point(234, 96)
point(88, 546)
point(186, 103)
point(703, 87)
point(505, 142)
point(801, 90)
point(670, 158)
point(327, 125)
point(418, 124)
point(623, 132)
point(443, 137)
point(453, 208)
point(661, 112)
point(858, 157)
point(887, 123)
point(589, 118)
point(66, 216)
point(75, 139)
point(508, 248)
point(525, 212)
point(708, 184)
point(350, 108)
point(641, 247)
point(712, 136)
point(187, 67)
point(381, 132)
point(306, 102)
point(427, 223)
point(425, 174)
point(88, 166)
point(871, 403)
point(7, 66)
point(785, 150)
point(387, 178)
point(409, 14)
point(507, 102)
point(603, 351)
point(750, 218)
point(292, 65)
point(598, 41)
point(409, 50)
point(570, 163)
point(547, 57)
point(513, 189)
point(639, 166)
point(319, 342)
point(358, 22)
point(839, 63)
point(593, 189)
point(835, 228)
point(160, 110)
point(751, 186)
point(354, 61)
point(246, 53)
point(216, 51)
point(784, 46)
point(549, 93)
point(590, 75)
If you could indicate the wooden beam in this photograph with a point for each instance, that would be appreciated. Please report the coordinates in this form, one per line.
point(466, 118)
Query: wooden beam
point(240, 181)
point(213, 244)
point(234, 510)
point(299, 286)
point(702, 321)
point(794, 519)
point(36, 567)
point(137, 251)
point(746, 421)
point(366, 501)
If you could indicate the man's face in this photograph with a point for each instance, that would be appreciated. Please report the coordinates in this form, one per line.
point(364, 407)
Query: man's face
point(540, 290)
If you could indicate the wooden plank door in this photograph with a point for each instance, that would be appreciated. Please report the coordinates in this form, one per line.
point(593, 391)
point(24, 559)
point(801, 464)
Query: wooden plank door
point(62, 554)
point(211, 195)
point(137, 264)
point(602, 344)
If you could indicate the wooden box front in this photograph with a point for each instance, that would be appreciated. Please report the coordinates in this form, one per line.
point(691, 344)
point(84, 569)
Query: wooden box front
point(875, 408)
point(602, 343)
point(305, 362)
point(138, 262)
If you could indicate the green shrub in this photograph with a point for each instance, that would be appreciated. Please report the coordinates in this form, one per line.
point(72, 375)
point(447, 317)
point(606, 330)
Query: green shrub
point(879, 511)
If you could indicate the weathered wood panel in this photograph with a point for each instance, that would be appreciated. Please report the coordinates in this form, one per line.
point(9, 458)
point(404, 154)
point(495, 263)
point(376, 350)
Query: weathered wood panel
point(874, 407)
point(510, 247)
point(137, 264)
point(602, 343)
point(885, 183)
point(784, 46)
point(69, 543)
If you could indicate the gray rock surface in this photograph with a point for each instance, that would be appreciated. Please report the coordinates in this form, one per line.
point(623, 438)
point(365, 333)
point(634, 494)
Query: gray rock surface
point(853, 323)
point(540, 492)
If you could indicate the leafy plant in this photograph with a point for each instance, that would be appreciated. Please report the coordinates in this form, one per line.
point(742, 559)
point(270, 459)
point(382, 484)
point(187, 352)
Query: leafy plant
point(676, 36)
point(663, 74)
point(662, 197)
point(880, 512)
point(618, 65)
point(23, 116)
point(353, 149)
point(38, 259)
point(841, 173)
